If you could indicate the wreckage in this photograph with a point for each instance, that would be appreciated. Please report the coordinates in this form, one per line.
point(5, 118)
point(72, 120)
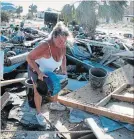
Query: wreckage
point(101, 107)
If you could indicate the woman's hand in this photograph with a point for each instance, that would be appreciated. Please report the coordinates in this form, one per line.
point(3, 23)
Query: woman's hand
point(41, 76)
point(64, 72)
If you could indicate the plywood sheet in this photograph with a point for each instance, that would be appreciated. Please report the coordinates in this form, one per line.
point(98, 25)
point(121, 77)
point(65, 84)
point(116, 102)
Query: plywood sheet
point(127, 94)
point(96, 110)
point(87, 95)
point(121, 107)
point(118, 77)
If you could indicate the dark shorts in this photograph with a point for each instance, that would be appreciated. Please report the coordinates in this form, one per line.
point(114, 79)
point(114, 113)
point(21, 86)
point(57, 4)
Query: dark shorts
point(32, 75)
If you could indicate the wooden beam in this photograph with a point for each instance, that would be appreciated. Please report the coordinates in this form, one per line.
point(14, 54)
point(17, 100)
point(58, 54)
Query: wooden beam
point(4, 99)
point(96, 129)
point(8, 82)
point(123, 98)
point(96, 110)
point(107, 98)
point(131, 89)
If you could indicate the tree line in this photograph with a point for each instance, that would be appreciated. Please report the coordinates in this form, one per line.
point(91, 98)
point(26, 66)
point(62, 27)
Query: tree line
point(88, 12)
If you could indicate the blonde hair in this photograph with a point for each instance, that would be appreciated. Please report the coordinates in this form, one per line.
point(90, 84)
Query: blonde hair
point(60, 29)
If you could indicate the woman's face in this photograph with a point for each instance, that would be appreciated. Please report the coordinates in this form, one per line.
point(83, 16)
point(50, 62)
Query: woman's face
point(60, 41)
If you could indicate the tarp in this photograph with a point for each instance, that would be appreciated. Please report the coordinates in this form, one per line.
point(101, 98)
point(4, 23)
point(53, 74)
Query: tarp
point(98, 65)
point(75, 84)
point(108, 125)
point(6, 3)
point(3, 38)
point(79, 53)
point(8, 8)
point(8, 69)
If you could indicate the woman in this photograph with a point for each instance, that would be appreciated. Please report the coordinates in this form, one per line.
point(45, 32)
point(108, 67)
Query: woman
point(48, 56)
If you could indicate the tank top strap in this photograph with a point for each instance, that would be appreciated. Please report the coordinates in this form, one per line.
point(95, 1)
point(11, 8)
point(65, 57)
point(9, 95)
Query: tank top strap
point(49, 49)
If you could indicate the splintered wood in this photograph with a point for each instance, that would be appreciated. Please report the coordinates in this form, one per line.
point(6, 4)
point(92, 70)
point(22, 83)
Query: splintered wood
point(98, 101)
point(118, 77)
point(126, 95)
point(4, 99)
point(87, 95)
point(96, 110)
point(121, 107)
point(58, 119)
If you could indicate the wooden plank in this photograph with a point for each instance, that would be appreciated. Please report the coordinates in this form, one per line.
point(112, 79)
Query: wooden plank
point(96, 129)
point(7, 82)
point(87, 94)
point(106, 99)
point(96, 110)
point(4, 99)
point(58, 119)
point(131, 89)
point(119, 77)
point(123, 98)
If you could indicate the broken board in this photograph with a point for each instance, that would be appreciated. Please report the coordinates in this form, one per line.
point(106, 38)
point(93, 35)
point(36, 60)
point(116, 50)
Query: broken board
point(87, 95)
point(94, 101)
point(59, 119)
point(127, 95)
point(4, 99)
point(123, 75)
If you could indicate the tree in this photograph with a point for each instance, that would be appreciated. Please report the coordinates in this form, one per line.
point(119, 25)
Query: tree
point(67, 13)
point(86, 16)
point(117, 9)
point(112, 9)
point(5, 16)
point(32, 9)
point(104, 12)
point(19, 10)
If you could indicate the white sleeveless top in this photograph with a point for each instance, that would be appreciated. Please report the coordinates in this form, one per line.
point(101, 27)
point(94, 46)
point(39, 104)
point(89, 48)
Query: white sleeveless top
point(48, 64)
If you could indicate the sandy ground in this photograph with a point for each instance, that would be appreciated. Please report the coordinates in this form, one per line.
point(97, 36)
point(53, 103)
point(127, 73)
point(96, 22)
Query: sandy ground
point(116, 28)
point(108, 28)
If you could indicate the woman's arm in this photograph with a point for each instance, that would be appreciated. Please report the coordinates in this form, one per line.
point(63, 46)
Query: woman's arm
point(63, 66)
point(35, 54)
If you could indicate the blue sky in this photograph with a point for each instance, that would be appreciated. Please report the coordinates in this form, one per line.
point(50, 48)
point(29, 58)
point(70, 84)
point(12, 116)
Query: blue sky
point(41, 4)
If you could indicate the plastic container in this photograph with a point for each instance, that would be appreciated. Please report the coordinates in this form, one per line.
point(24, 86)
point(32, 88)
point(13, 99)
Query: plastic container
point(97, 77)
point(30, 92)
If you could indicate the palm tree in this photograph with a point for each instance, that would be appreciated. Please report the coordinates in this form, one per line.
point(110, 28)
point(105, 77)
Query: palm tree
point(112, 9)
point(104, 12)
point(86, 16)
point(67, 13)
point(19, 10)
point(117, 9)
point(32, 9)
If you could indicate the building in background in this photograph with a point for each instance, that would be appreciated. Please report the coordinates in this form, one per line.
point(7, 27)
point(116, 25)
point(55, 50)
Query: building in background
point(40, 14)
point(129, 13)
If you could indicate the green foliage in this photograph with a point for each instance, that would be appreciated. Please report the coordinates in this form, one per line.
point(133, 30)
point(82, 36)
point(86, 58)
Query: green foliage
point(32, 9)
point(68, 13)
point(132, 20)
point(114, 10)
point(19, 10)
point(5, 16)
point(86, 16)
point(104, 12)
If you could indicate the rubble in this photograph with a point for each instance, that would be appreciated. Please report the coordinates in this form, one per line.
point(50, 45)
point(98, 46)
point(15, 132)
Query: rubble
point(114, 100)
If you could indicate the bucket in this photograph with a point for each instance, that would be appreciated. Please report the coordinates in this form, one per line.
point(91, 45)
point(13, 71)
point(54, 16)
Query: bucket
point(30, 92)
point(97, 77)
